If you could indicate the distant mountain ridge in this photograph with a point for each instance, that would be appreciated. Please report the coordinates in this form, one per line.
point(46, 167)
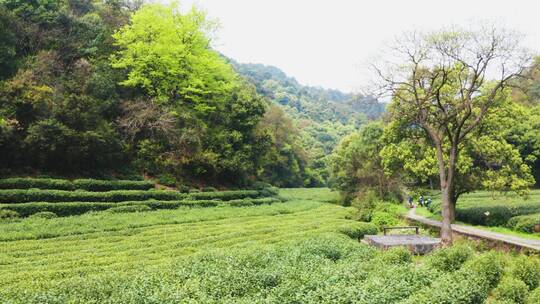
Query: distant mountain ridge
point(304, 101)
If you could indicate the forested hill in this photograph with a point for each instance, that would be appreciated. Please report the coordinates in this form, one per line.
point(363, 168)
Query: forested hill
point(320, 117)
point(309, 102)
point(119, 89)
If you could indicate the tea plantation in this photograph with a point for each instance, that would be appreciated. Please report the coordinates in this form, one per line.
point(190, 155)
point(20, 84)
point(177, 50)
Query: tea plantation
point(299, 249)
point(504, 210)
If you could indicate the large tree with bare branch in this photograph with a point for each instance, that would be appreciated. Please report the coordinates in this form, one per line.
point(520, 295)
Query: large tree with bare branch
point(444, 84)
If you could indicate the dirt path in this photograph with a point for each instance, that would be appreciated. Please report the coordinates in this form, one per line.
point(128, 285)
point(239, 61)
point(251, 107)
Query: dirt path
point(478, 233)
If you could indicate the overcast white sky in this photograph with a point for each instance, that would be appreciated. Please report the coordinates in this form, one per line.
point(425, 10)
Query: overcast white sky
point(327, 43)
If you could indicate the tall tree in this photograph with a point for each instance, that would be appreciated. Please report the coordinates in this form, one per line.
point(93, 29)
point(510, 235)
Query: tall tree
point(441, 85)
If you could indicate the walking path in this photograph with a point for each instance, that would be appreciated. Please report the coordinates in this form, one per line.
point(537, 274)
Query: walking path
point(478, 233)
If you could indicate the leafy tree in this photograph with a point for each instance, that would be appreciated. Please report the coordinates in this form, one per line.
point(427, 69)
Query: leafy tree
point(167, 54)
point(486, 161)
point(357, 167)
point(441, 88)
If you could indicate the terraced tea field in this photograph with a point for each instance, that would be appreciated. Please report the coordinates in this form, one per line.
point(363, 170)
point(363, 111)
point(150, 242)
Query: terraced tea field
point(299, 251)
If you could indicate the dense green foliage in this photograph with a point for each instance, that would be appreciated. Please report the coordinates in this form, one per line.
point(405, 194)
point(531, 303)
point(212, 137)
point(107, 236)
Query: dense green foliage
point(78, 184)
point(490, 158)
point(524, 223)
point(116, 88)
point(320, 118)
point(46, 202)
point(356, 167)
point(299, 252)
point(482, 208)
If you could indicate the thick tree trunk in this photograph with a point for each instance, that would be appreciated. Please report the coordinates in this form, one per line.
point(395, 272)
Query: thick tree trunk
point(446, 228)
point(448, 195)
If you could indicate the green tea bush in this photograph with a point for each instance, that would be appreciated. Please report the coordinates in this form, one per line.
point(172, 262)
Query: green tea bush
point(251, 202)
point(468, 285)
point(396, 255)
point(109, 185)
point(260, 185)
point(496, 214)
point(183, 189)
point(269, 191)
point(224, 195)
point(512, 290)
point(8, 214)
point(44, 215)
point(22, 196)
point(524, 223)
point(534, 297)
point(358, 230)
point(450, 258)
point(167, 179)
point(382, 219)
point(132, 208)
point(76, 208)
point(209, 189)
point(83, 184)
point(37, 183)
point(527, 269)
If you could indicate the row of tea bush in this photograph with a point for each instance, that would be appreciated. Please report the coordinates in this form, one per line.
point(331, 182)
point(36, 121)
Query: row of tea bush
point(82, 184)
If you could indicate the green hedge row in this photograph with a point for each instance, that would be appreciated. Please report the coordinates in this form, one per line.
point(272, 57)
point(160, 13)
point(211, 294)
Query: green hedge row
point(470, 284)
point(84, 184)
point(227, 195)
point(76, 208)
point(496, 214)
point(34, 195)
point(524, 223)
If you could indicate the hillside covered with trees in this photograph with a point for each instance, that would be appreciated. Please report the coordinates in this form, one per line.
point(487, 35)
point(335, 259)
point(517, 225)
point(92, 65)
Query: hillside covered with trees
point(322, 116)
point(112, 89)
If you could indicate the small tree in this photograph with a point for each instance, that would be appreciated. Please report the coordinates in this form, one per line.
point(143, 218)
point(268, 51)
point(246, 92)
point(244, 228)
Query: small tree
point(440, 84)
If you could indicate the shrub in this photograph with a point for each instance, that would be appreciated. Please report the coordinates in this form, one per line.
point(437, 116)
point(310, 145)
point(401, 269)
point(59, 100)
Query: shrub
point(183, 189)
point(83, 184)
point(225, 195)
point(270, 191)
point(109, 185)
point(450, 258)
point(381, 218)
point(209, 189)
point(469, 285)
point(524, 223)
point(167, 179)
point(365, 202)
point(126, 209)
point(44, 215)
point(527, 269)
point(512, 290)
point(490, 266)
point(37, 183)
point(193, 190)
point(396, 255)
point(6, 214)
point(496, 214)
point(76, 208)
point(260, 185)
point(22, 196)
point(358, 230)
point(534, 297)
point(251, 201)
